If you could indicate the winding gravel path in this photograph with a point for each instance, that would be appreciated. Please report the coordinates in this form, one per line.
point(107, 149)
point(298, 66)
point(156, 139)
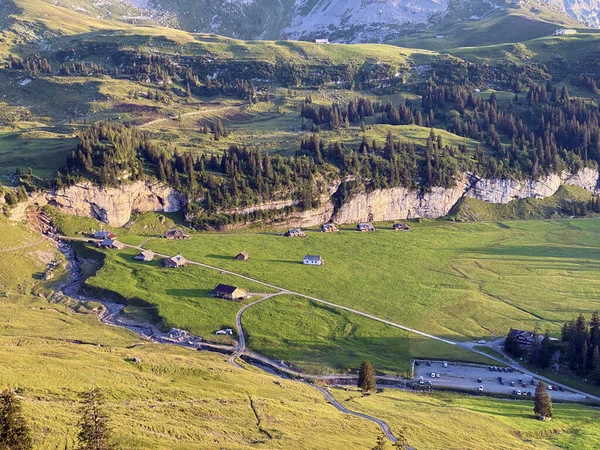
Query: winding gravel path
point(383, 425)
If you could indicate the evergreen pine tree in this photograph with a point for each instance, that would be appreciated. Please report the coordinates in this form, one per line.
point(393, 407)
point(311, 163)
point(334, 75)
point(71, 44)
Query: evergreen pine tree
point(366, 377)
point(542, 402)
point(94, 429)
point(14, 432)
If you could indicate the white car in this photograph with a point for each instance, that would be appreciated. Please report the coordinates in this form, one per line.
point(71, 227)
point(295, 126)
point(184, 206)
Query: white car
point(550, 387)
point(518, 392)
point(437, 375)
point(445, 364)
point(481, 342)
point(480, 388)
point(432, 375)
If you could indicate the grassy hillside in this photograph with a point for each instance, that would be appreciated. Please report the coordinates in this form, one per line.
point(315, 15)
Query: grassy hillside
point(507, 24)
point(179, 399)
point(173, 398)
point(476, 422)
point(317, 338)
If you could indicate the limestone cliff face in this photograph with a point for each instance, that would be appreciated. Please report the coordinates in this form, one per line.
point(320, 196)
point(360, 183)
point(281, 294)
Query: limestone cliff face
point(114, 206)
point(401, 203)
point(504, 190)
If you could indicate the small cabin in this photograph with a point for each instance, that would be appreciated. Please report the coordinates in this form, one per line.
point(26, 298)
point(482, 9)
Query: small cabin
point(176, 235)
point(295, 232)
point(364, 227)
point(242, 256)
point(230, 292)
point(175, 261)
point(112, 244)
point(401, 227)
point(145, 256)
point(329, 228)
point(103, 234)
point(313, 260)
point(565, 32)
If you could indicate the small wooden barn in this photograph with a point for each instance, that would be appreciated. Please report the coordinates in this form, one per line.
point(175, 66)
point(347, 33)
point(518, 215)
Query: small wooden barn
point(242, 256)
point(329, 228)
point(103, 234)
point(230, 292)
point(175, 261)
point(401, 227)
point(112, 244)
point(295, 232)
point(145, 256)
point(365, 226)
point(176, 235)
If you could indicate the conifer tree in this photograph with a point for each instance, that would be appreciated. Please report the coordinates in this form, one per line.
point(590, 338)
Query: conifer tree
point(366, 377)
point(14, 432)
point(94, 429)
point(542, 402)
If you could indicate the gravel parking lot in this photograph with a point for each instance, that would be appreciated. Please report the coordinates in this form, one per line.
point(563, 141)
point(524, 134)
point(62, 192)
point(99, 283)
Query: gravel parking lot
point(467, 377)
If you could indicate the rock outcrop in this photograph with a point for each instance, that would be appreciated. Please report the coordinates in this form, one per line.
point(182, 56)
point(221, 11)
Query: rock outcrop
point(114, 205)
point(401, 203)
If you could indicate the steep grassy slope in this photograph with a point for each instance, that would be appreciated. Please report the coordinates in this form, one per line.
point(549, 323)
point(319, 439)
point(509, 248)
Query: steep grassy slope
point(172, 398)
point(478, 423)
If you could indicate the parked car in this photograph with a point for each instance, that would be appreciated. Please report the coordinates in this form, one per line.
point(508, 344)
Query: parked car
point(428, 363)
point(437, 375)
point(479, 380)
point(502, 383)
point(491, 368)
point(480, 388)
point(429, 383)
point(549, 387)
point(482, 341)
point(532, 382)
point(528, 393)
point(432, 375)
point(523, 385)
point(514, 392)
point(518, 392)
point(445, 364)
point(417, 363)
point(421, 381)
point(512, 383)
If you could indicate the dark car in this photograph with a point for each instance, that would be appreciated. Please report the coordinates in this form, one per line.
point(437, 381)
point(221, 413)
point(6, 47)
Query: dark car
point(500, 379)
point(514, 392)
point(491, 369)
point(417, 363)
point(529, 393)
point(502, 383)
point(532, 382)
point(479, 380)
point(512, 383)
point(561, 389)
point(523, 385)
point(428, 363)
